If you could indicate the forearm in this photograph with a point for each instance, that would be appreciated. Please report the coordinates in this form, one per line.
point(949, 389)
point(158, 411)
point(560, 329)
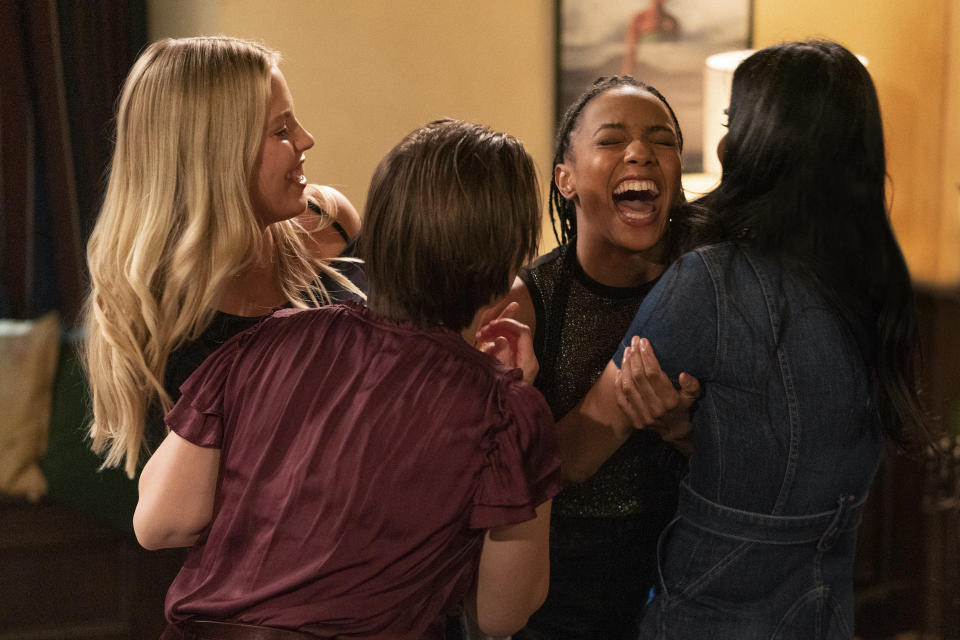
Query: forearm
point(151, 539)
point(593, 430)
point(157, 528)
point(585, 444)
point(176, 494)
point(513, 575)
point(159, 523)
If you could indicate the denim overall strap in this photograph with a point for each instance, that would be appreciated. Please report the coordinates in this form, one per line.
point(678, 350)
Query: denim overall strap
point(820, 528)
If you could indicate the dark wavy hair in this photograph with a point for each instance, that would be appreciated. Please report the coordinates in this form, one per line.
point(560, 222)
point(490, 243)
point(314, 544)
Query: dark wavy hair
point(563, 213)
point(804, 177)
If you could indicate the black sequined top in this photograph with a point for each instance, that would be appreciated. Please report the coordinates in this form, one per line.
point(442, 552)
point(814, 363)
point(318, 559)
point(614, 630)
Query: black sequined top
point(580, 323)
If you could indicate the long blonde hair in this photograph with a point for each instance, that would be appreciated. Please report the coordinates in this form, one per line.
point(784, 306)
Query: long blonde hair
point(176, 222)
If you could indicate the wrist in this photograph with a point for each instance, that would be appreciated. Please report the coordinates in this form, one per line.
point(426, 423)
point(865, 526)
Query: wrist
point(605, 411)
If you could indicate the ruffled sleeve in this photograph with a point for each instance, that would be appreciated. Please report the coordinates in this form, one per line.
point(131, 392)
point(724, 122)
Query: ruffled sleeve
point(198, 415)
point(522, 469)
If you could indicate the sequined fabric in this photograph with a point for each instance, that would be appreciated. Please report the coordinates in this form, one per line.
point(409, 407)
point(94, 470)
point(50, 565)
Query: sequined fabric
point(580, 323)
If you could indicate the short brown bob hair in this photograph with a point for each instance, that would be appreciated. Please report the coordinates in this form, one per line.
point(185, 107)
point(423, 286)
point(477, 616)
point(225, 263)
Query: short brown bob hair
point(452, 213)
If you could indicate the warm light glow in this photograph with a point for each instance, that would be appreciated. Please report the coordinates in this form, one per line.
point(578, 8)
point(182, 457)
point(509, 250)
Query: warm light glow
point(717, 78)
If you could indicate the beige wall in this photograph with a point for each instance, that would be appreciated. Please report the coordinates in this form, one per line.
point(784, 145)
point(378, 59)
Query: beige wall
point(911, 54)
point(365, 73)
point(949, 227)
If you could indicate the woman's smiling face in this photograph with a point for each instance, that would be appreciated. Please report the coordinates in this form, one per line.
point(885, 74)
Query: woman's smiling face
point(277, 190)
point(623, 171)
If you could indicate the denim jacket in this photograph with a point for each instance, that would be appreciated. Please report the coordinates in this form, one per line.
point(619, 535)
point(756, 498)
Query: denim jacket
point(787, 444)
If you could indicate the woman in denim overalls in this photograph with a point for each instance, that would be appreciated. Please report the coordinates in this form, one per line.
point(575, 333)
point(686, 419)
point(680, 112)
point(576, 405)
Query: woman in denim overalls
point(796, 314)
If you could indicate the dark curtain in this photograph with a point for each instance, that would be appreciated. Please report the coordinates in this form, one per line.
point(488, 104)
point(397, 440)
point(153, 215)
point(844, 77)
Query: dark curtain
point(62, 65)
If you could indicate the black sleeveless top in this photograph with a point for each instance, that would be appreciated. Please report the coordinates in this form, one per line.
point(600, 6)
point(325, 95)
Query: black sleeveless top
point(187, 357)
point(580, 323)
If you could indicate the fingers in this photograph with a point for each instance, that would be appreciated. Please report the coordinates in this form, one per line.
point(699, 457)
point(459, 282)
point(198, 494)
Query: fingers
point(628, 396)
point(659, 383)
point(689, 390)
point(634, 394)
point(503, 352)
point(647, 396)
point(678, 426)
point(524, 356)
point(507, 327)
point(510, 341)
point(509, 311)
point(499, 348)
point(645, 384)
point(488, 347)
point(689, 385)
point(494, 313)
point(648, 399)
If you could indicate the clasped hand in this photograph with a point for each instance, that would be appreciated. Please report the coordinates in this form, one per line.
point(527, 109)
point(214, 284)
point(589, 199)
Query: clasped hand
point(648, 398)
point(509, 341)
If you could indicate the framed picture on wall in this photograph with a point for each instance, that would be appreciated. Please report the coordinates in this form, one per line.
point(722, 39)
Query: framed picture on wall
point(663, 43)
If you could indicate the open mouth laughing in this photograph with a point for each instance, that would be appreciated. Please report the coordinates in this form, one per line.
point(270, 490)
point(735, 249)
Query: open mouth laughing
point(635, 199)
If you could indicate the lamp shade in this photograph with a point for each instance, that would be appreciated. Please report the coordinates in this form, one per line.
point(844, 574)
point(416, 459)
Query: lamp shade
point(717, 80)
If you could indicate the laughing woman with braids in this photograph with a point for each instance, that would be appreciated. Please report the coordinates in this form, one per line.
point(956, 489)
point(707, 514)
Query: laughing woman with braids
point(616, 186)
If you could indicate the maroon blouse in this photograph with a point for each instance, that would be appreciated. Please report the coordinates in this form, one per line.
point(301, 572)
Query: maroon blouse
point(361, 462)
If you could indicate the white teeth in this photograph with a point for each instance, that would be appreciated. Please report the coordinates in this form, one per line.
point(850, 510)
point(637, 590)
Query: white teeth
point(637, 185)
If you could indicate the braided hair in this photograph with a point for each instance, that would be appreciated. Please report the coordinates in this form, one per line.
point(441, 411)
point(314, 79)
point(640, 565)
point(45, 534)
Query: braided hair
point(563, 213)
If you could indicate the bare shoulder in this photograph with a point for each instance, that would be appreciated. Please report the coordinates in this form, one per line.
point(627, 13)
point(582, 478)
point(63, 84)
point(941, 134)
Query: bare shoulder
point(525, 312)
point(323, 239)
point(344, 211)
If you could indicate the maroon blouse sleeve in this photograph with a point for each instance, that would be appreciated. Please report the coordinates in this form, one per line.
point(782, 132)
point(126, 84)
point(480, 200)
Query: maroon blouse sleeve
point(198, 415)
point(522, 469)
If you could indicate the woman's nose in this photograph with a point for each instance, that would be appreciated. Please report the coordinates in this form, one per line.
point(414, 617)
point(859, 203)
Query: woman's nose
point(638, 152)
point(306, 140)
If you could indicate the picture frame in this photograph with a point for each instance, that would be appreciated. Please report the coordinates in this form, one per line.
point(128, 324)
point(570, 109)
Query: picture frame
point(663, 43)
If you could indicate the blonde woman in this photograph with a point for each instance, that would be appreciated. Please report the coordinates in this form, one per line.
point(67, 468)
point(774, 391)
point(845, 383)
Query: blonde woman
point(204, 229)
